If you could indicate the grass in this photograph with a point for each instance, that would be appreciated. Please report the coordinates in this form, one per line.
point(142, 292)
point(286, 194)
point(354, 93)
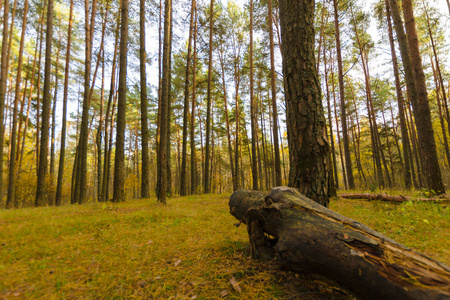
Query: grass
point(425, 227)
point(188, 249)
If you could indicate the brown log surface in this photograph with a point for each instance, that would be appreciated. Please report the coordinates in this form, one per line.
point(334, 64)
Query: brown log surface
point(306, 236)
point(391, 198)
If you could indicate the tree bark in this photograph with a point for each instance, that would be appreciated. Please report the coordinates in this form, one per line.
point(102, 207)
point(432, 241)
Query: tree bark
point(192, 121)
point(309, 237)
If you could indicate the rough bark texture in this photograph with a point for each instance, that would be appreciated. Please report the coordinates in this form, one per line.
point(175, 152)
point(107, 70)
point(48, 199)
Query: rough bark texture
point(306, 126)
point(119, 160)
point(309, 237)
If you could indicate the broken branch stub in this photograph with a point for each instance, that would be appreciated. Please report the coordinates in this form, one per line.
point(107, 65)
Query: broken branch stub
point(306, 236)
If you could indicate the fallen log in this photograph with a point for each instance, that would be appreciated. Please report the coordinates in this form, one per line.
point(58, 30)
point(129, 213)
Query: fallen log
point(307, 237)
point(391, 198)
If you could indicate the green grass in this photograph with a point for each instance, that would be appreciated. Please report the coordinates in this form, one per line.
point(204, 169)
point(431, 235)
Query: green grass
point(137, 249)
point(188, 249)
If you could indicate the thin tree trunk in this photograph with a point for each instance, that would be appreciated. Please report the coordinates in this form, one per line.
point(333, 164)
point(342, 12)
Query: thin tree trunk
point(62, 152)
point(55, 96)
point(164, 108)
point(145, 182)
point(192, 122)
point(400, 104)
point(11, 199)
point(183, 175)
point(277, 164)
point(119, 164)
point(415, 78)
point(253, 106)
point(41, 191)
point(206, 179)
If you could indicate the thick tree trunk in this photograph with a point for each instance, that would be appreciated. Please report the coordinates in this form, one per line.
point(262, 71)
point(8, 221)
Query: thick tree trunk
point(309, 237)
point(306, 125)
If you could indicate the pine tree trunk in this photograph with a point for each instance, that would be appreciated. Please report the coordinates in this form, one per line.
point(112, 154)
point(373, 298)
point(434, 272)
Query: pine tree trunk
point(62, 152)
point(192, 121)
point(253, 106)
point(206, 179)
point(277, 163)
point(183, 173)
point(11, 199)
point(119, 160)
point(400, 104)
point(348, 162)
point(415, 78)
point(145, 182)
point(164, 107)
point(308, 145)
point(41, 191)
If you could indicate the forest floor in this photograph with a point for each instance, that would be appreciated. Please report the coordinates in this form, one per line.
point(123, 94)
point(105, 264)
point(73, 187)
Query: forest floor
point(188, 249)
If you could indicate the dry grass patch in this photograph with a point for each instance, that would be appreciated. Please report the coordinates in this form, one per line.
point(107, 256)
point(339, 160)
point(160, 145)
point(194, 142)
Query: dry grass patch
point(139, 250)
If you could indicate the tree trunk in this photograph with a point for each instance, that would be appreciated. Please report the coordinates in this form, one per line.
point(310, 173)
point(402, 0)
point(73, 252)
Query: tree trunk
point(400, 104)
point(145, 182)
point(3, 75)
point(164, 107)
point(183, 175)
point(306, 125)
point(119, 160)
point(253, 116)
point(41, 191)
point(62, 152)
point(206, 179)
point(415, 78)
point(192, 121)
point(309, 237)
point(348, 162)
point(277, 164)
point(13, 140)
